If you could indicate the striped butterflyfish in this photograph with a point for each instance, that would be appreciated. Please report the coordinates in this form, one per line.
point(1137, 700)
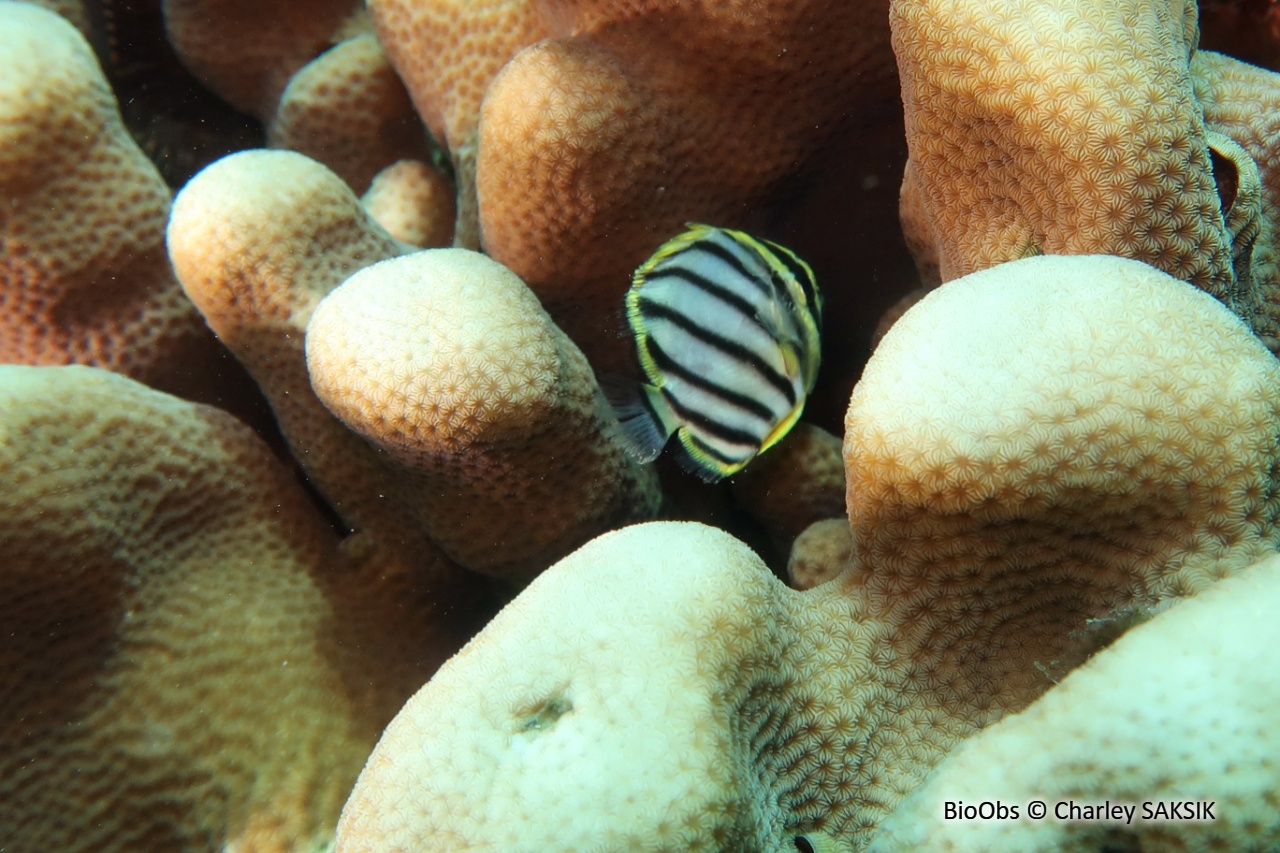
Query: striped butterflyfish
point(726, 327)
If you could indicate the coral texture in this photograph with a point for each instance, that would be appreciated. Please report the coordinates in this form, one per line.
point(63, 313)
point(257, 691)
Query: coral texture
point(447, 52)
point(1070, 128)
point(413, 202)
point(246, 50)
point(347, 109)
point(445, 360)
point(1042, 452)
point(796, 483)
point(1240, 102)
point(191, 662)
point(83, 273)
point(820, 553)
point(1181, 710)
point(257, 240)
point(1105, 440)
point(260, 238)
point(589, 148)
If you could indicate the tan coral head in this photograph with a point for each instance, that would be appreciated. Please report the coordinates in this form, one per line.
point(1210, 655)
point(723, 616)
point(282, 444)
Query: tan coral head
point(572, 720)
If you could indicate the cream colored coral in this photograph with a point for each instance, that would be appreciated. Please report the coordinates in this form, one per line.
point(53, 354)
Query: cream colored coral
point(347, 109)
point(1031, 448)
point(1238, 101)
point(1080, 431)
point(820, 553)
point(585, 134)
point(446, 361)
point(413, 202)
point(191, 664)
point(1182, 709)
point(257, 240)
point(1064, 127)
point(73, 10)
point(83, 274)
point(598, 716)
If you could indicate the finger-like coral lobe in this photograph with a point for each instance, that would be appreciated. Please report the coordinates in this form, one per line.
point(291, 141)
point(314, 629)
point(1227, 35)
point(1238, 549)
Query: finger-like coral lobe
point(258, 239)
point(592, 132)
point(590, 743)
point(83, 273)
point(446, 361)
point(1061, 127)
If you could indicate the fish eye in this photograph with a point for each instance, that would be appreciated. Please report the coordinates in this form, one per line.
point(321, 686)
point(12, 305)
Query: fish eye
point(803, 845)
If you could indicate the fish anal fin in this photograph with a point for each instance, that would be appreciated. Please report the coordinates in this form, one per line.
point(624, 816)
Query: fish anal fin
point(697, 460)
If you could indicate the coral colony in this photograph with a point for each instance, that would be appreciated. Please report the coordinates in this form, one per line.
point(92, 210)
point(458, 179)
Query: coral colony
point(319, 531)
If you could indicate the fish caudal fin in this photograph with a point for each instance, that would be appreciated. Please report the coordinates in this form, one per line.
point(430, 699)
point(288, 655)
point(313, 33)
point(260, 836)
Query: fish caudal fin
point(645, 418)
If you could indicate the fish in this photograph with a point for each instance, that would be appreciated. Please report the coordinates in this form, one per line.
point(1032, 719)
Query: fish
point(727, 329)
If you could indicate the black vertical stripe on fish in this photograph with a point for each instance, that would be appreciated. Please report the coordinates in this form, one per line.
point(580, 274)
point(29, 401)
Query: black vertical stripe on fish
point(706, 424)
point(661, 317)
point(760, 257)
point(738, 400)
point(802, 274)
point(730, 348)
point(709, 287)
point(736, 264)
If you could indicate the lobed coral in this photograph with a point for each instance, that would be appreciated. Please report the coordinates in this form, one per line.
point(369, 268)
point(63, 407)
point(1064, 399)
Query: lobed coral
point(83, 272)
point(592, 132)
point(457, 397)
point(192, 661)
point(1038, 455)
point(1105, 735)
point(446, 362)
point(1067, 128)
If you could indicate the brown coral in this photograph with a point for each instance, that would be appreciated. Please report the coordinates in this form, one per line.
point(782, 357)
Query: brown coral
point(191, 663)
point(347, 109)
point(83, 273)
point(1239, 102)
point(595, 145)
point(413, 202)
point(447, 52)
point(796, 483)
point(246, 50)
point(257, 240)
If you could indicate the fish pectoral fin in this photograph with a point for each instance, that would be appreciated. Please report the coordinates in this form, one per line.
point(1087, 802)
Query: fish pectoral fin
point(790, 357)
point(645, 419)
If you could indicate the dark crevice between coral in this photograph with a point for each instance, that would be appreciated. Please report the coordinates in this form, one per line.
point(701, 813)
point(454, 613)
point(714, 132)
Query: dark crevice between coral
point(181, 125)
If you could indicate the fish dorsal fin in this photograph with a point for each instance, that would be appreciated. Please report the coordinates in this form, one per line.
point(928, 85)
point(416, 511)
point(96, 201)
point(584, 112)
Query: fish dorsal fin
point(645, 419)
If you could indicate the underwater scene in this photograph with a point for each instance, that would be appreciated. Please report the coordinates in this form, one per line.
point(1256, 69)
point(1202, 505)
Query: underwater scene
point(639, 426)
